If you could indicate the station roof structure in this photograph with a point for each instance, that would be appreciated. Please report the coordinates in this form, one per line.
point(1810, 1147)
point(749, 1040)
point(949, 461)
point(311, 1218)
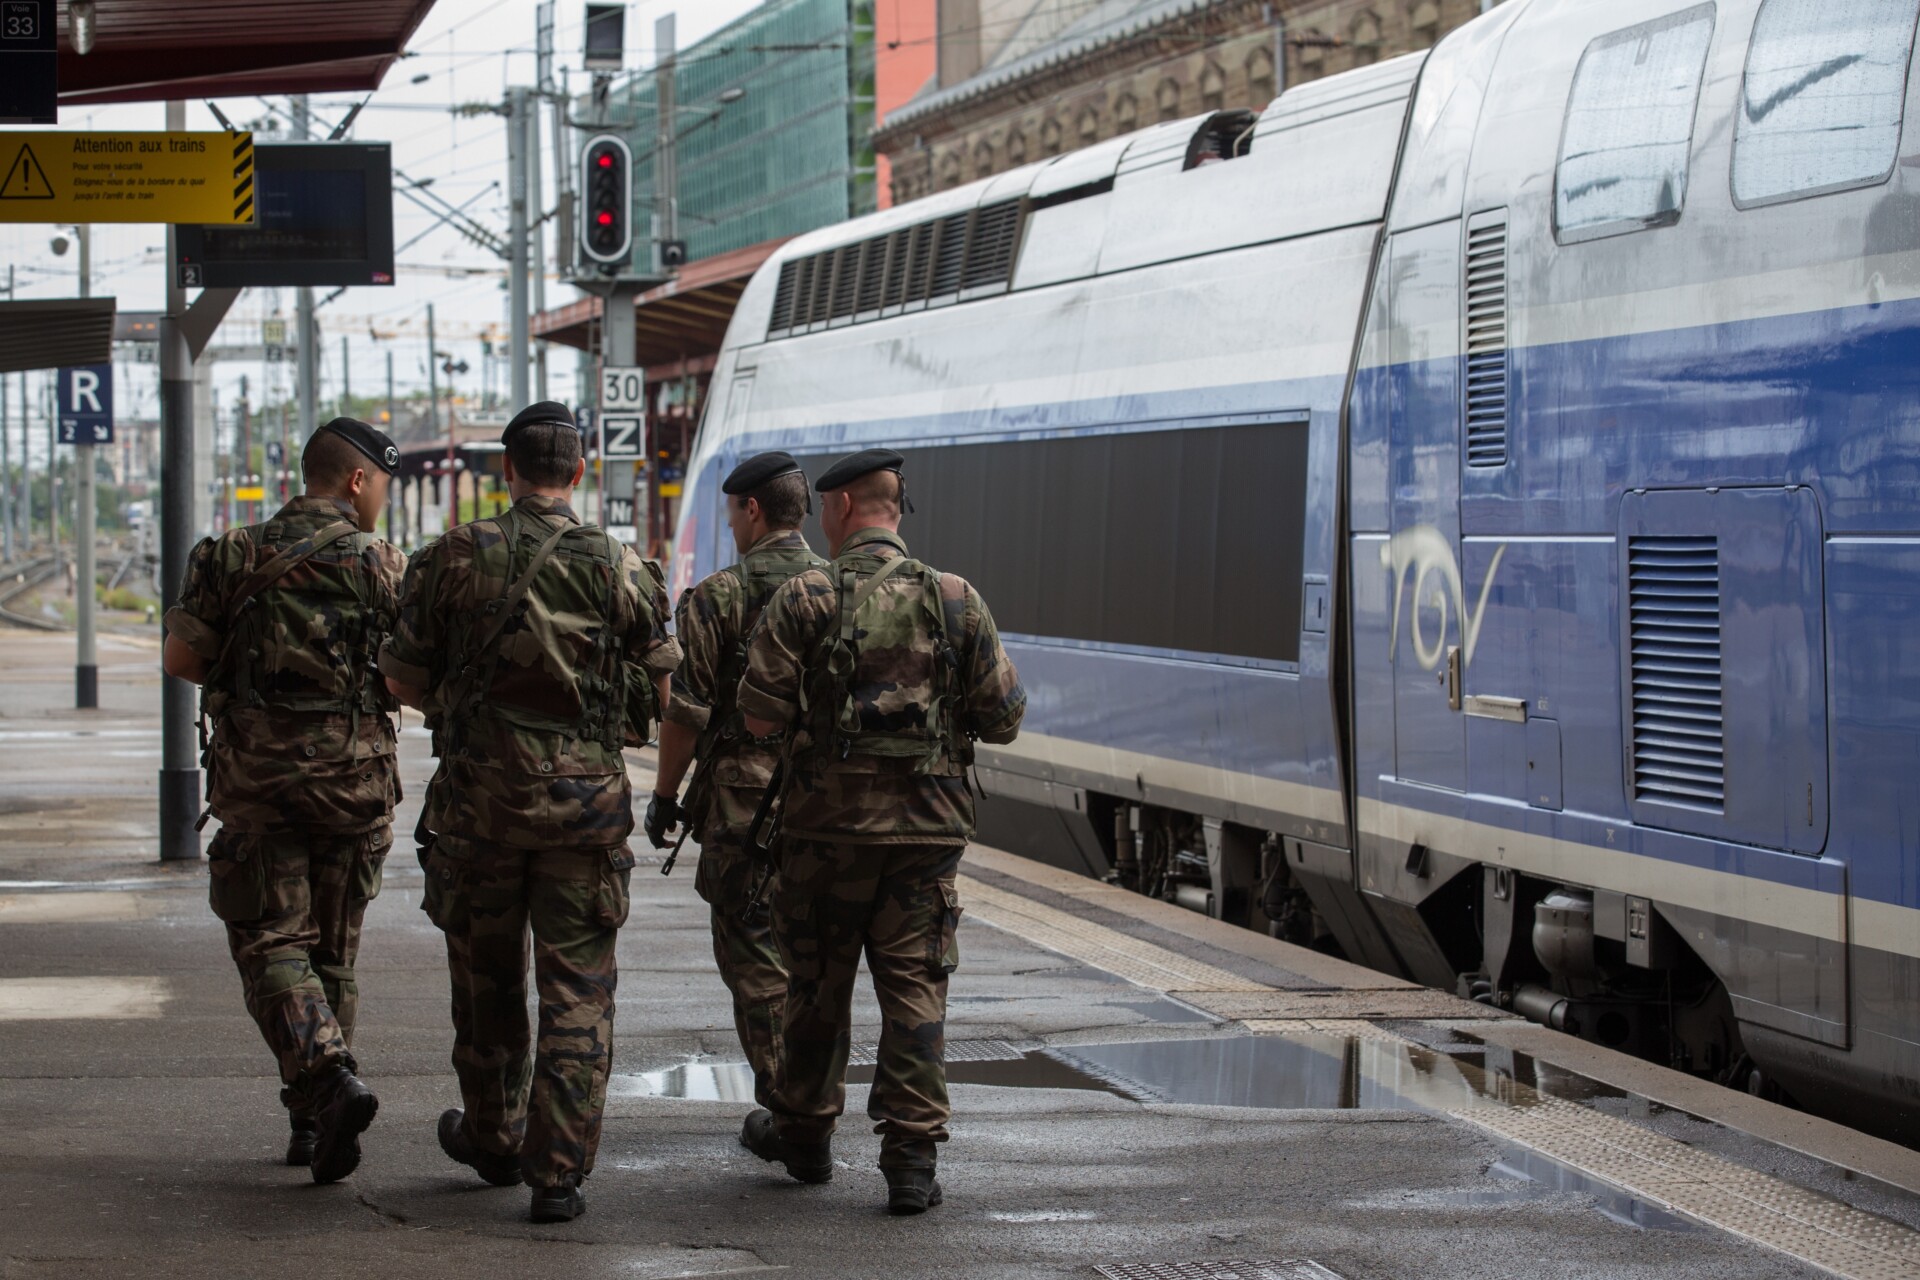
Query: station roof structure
point(50, 333)
point(152, 50)
point(682, 321)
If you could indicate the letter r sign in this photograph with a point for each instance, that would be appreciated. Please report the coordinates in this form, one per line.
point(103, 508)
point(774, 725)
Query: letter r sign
point(85, 408)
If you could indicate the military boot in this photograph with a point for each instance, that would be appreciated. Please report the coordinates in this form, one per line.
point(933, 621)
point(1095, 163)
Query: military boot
point(345, 1109)
point(805, 1161)
point(300, 1140)
point(501, 1171)
point(912, 1190)
point(562, 1203)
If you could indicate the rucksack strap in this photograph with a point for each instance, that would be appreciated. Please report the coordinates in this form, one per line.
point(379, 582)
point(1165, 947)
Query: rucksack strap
point(849, 608)
point(278, 567)
point(502, 611)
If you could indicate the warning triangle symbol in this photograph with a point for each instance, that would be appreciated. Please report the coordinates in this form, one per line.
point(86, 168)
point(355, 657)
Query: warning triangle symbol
point(25, 179)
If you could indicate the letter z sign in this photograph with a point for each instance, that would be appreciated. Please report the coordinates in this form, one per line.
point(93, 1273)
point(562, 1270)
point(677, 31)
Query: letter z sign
point(86, 404)
point(620, 436)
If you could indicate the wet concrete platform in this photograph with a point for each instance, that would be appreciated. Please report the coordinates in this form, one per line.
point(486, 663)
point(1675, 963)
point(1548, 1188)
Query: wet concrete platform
point(1135, 1089)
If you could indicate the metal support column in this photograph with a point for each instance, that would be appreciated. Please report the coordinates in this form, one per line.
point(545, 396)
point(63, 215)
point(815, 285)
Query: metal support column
point(519, 134)
point(179, 761)
point(309, 333)
point(184, 333)
point(86, 670)
point(397, 489)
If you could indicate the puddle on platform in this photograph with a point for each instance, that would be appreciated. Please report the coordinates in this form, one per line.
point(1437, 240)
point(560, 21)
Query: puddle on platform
point(733, 1081)
point(1552, 1176)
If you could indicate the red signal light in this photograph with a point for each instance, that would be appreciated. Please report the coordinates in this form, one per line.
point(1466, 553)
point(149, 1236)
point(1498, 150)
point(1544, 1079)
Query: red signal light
point(604, 218)
point(605, 161)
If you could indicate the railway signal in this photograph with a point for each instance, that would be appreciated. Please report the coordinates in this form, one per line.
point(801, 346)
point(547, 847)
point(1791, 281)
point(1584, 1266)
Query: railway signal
point(606, 206)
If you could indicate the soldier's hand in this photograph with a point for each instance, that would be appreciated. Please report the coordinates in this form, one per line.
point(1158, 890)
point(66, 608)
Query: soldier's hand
point(663, 815)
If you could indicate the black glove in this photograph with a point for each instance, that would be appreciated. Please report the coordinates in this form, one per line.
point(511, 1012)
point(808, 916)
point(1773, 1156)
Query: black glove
point(663, 815)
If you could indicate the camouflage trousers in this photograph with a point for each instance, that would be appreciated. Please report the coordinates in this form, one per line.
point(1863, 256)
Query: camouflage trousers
point(544, 1106)
point(897, 904)
point(744, 951)
point(293, 902)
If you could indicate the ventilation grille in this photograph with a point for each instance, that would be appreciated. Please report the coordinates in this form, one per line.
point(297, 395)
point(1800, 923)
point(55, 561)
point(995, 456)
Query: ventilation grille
point(962, 254)
point(1679, 743)
point(990, 257)
point(783, 294)
point(1487, 342)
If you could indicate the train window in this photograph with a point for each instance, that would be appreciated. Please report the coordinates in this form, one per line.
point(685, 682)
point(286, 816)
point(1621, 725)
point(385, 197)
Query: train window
point(1629, 127)
point(1180, 539)
point(1821, 103)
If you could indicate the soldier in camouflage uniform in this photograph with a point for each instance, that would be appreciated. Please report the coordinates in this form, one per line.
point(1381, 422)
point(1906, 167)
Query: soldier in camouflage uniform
point(537, 646)
point(766, 501)
point(280, 624)
point(887, 671)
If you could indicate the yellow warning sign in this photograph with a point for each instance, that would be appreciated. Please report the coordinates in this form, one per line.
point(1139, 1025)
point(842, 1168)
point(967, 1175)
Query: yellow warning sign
point(250, 493)
point(126, 177)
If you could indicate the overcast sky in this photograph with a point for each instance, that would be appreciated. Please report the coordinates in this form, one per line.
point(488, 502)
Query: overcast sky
point(467, 51)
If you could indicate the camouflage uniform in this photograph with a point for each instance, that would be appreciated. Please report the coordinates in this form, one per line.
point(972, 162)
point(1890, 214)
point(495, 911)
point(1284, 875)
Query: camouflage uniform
point(531, 809)
point(872, 835)
point(712, 624)
point(300, 768)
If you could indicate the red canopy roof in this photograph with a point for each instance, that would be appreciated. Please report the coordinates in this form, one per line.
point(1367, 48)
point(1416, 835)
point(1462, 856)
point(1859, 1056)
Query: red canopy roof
point(149, 50)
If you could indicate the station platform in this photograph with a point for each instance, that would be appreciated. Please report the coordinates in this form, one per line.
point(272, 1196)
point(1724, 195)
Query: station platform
point(1138, 1092)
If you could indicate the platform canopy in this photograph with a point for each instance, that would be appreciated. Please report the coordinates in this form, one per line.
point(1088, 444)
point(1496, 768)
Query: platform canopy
point(55, 333)
point(151, 50)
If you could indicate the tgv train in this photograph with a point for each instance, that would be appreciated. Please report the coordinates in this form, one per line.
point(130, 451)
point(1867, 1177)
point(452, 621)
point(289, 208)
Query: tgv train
point(1467, 515)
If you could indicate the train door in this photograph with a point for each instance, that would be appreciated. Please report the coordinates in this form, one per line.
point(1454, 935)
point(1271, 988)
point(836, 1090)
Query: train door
point(1424, 520)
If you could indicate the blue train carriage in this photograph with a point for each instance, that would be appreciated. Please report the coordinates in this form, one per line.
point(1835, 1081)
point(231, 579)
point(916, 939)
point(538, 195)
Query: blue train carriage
point(1479, 514)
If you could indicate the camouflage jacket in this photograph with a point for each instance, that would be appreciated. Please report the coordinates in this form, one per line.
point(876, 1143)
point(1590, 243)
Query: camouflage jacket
point(529, 738)
point(301, 735)
point(712, 623)
point(864, 798)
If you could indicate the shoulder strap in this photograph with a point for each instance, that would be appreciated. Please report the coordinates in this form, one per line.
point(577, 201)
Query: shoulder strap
point(518, 591)
point(270, 572)
point(865, 593)
point(502, 611)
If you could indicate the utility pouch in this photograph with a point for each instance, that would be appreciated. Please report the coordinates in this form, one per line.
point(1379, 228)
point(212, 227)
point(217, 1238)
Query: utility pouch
point(237, 873)
point(943, 950)
point(370, 863)
point(613, 891)
point(445, 897)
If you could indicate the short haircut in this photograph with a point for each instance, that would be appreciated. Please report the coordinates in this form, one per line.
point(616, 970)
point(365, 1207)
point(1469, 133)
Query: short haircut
point(877, 489)
point(545, 453)
point(328, 460)
point(783, 500)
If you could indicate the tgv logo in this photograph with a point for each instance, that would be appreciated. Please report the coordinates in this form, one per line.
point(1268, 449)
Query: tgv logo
point(1423, 551)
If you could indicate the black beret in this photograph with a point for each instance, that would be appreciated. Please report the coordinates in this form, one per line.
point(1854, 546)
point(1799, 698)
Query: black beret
point(757, 470)
point(546, 411)
point(375, 443)
point(854, 465)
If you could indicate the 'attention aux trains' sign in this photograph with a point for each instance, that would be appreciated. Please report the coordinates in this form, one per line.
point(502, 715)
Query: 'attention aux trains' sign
point(127, 177)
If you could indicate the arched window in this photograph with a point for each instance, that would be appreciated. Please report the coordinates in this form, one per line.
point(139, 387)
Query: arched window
point(983, 158)
point(1213, 87)
point(1126, 113)
point(1089, 126)
point(1050, 137)
point(1260, 81)
point(949, 169)
point(1424, 18)
point(1167, 98)
point(1364, 37)
point(1017, 146)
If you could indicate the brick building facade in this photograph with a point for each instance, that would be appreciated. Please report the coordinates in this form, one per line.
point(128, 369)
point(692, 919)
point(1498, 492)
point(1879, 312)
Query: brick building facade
point(1020, 80)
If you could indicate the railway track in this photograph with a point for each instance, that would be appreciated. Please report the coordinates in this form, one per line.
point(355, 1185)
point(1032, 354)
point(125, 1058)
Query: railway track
point(21, 578)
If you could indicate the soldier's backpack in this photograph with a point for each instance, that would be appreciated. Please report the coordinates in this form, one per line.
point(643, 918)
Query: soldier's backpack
point(761, 573)
point(853, 703)
point(273, 670)
point(573, 630)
